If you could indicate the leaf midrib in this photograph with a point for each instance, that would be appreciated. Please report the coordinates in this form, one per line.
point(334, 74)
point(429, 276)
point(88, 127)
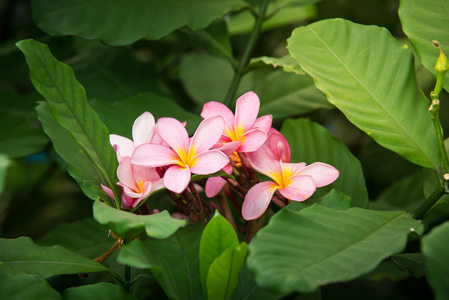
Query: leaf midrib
point(399, 124)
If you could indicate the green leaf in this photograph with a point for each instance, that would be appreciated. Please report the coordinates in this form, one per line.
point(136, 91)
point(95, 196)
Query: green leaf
point(128, 225)
point(21, 139)
point(124, 22)
point(310, 142)
point(102, 290)
point(218, 237)
point(284, 94)
point(67, 101)
point(281, 13)
point(119, 116)
point(173, 261)
point(24, 255)
point(224, 271)
point(248, 289)
point(287, 63)
point(79, 166)
point(371, 78)
point(5, 162)
point(15, 285)
point(413, 262)
point(424, 21)
point(334, 199)
point(320, 245)
point(435, 247)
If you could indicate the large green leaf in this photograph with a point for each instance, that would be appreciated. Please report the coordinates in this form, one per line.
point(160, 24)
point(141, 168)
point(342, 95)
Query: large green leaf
point(287, 63)
point(67, 101)
point(435, 247)
point(102, 290)
point(370, 77)
point(334, 199)
point(124, 22)
point(300, 251)
point(15, 285)
point(26, 256)
point(173, 261)
point(218, 237)
point(79, 166)
point(424, 21)
point(310, 142)
point(224, 271)
point(128, 225)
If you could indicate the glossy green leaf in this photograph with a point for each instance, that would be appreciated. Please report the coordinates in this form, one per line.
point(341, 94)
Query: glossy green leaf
point(173, 261)
point(310, 142)
point(435, 247)
point(128, 225)
point(67, 101)
point(371, 78)
point(223, 273)
point(424, 21)
point(15, 285)
point(287, 63)
point(24, 255)
point(124, 22)
point(320, 245)
point(79, 166)
point(102, 290)
point(334, 199)
point(218, 237)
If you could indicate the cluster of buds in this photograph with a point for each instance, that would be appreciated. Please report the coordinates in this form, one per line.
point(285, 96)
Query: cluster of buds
point(161, 155)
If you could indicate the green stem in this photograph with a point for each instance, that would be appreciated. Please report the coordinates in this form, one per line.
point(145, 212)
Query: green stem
point(127, 278)
point(427, 205)
point(434, 108)
point(246, 55)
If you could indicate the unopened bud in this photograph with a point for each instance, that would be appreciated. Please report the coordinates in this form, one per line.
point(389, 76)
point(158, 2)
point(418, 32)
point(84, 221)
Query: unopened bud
point(442, 63)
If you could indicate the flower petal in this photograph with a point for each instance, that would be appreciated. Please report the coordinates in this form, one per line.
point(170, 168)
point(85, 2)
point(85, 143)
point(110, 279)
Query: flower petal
point(252, 140)
point(214, 186)
point(125, 145)
point(230, 147)
point(152, 155)
point(176, 178)
point(213, 108)
point(125, 174)
point(263, 163)
point(257, 199)
point(322, 173)
point(264, 123)
point(143, 129)
point(207, 134)
point(246, 110)
point(209, 162)
point(279, 145)
point(107, 190)
point(174, 134)
point(144, 174)
point(300, 188)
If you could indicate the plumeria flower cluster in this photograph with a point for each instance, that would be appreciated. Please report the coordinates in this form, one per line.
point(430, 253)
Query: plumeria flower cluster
point(162, 155)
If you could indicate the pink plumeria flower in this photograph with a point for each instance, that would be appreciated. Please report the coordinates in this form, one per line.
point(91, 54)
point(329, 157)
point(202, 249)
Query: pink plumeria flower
point(243, 132)
point(143, 132)
point(137, 183)
point(185, 156)
point(295, 181)
point(278, 147)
